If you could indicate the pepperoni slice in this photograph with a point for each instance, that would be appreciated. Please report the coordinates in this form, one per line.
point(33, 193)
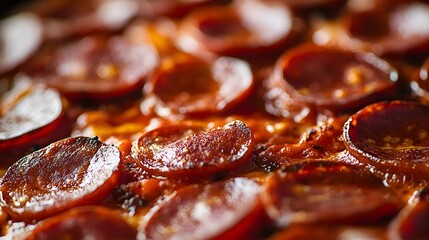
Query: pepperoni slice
point(420, 85)
point(29, 114)
point(328, 79)
point(321, 231)
point(201, 154)
point(171, 8)
point(396, 29)
point(68, 173)
point(193, 86)
point(208, 211)
point(323, 191)
point(95, 67)
point(14, 48)
point(412, 221)
point(235, 29)
point(391, 136)
point(64, 19)
point(85, 223)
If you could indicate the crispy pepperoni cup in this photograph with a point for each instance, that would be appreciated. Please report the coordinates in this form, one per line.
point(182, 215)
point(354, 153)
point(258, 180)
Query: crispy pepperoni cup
point(389, 29)
point(68, 173)
point(95, 68)
point(392, 137)
point(187, 85)
point(327, 78)
point(240, 29)
point(420, 85)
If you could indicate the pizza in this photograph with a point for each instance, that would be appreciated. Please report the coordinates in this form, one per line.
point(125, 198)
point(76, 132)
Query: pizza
point(214, 119)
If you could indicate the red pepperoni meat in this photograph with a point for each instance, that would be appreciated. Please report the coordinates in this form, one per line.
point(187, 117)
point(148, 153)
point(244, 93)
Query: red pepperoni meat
point(327, 78)
point(384, 29)
point(20, 36)
point(392, 137)
point(202, 154)
point(221, 210)
point(412, 221)
point(85, 223)
point(97, 68)
point(193, 86)
point(240, 29)
point(71, 172)
point(28, 114)
point(323, 191)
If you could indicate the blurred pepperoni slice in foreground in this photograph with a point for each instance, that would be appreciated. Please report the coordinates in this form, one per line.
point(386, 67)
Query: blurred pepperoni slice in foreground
point(392, 137)
point(192, 86)
point(328, 78)
point(412, 221)
point(29, 113)
point(68, 173)
point(201, 154)
point(85, 223)
point(222, 210)
point(20, 36)
point(95, 67)
point(329, 192)
point(242, 28)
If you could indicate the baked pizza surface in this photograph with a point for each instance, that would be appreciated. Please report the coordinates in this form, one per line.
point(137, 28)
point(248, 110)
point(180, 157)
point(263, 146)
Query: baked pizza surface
point(215, 119)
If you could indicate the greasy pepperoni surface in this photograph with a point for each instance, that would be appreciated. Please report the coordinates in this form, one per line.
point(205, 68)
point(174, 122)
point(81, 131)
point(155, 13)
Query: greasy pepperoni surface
point(412, 221)
point(391, 136)
point(68, 173)
point(205, 211)
point(27, 113)
point(15, 49)
point(322, 191)
point(193, 86)
point(331, 79)
point(234, 30)
point(200, 154)
point(85, 223)
point(94, 67)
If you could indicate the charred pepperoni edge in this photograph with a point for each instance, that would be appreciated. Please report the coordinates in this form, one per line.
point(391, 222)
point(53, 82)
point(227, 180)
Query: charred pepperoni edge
point(165, 74)
point(354, 146)
point(248, 223)
point(301, 173)
point(277, 80)
point(205, 44)
point(203, 169)
point(87, 220)
point(412, 221)
point(42, 67)
point(37, 136)
point(69, 201)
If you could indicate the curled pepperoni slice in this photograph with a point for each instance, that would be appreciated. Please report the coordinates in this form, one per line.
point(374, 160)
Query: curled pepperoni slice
point(28, 114)
point(220, 210)
point(391, 136)
point(328, 79)
point(193, 86)
point(323, 191)
point(94, 67)
point(420, 86)
point(14, 48)
point(68, 173)
point(389, 29)
point(200, 154)
point(412, 221)
point(85, 223)
point(239, 29)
